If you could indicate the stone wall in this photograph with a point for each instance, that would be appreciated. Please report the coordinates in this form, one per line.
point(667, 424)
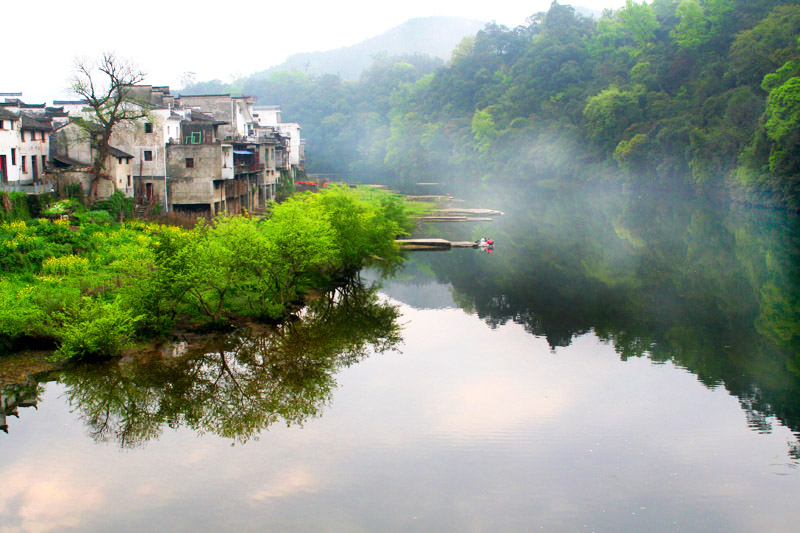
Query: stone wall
point(206, 158)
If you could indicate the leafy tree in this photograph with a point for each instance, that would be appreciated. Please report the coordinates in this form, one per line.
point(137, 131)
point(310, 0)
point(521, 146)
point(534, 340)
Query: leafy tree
point(610, 113)
point(364, 227)
point(483, 130)
point(783, 126)
point(692, 32)
point(298, 243)
point(639, 22)
point(632, 154)
point(767, 46)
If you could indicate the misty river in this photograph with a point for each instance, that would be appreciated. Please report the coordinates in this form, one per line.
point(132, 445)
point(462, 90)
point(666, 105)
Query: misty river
point(620, 362)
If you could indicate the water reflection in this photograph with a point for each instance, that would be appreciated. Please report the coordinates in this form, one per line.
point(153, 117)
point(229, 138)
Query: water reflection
point(236, 385)
point(14, 397)
point(712, 289)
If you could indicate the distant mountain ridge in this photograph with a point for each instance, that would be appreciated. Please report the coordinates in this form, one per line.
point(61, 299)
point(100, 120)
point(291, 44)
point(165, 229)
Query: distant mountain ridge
point(433, 36)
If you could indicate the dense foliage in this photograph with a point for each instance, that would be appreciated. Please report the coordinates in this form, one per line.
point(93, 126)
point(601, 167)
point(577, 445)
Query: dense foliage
point(697, 93)
point(93, 285)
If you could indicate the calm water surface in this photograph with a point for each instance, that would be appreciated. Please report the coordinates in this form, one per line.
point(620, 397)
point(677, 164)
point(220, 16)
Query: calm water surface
point(609, 367)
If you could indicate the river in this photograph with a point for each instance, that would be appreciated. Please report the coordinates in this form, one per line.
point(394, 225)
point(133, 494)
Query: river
point(617, 363)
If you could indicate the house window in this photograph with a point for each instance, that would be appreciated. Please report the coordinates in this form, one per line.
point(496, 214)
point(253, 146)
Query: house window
point(119, 160)
point(148, 127)
point(148, 155)
point(2, 125)
point(129, 181)
point(24, 167)
point(190, 162)
point(44, 162)
point(22, 135)
point(14, 156)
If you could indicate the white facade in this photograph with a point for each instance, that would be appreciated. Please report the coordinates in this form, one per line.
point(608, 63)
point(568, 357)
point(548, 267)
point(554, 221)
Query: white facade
point(172, 125)
point(34, 148)
point(243, 115)
point(9, 147)
point(292, 130)
point(268, 115)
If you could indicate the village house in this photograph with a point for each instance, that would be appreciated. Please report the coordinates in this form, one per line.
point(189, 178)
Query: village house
point(33, 147)
point(199, 168)
point(143, 143)
point(72, 155)
point(291, 158)
point(252, 179)
point(236, 112)
point(9, 146)
point(24, 140)
point(196, 154)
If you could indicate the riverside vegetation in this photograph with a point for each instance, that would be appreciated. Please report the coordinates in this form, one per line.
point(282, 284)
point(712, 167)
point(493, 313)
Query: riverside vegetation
point(92, 286)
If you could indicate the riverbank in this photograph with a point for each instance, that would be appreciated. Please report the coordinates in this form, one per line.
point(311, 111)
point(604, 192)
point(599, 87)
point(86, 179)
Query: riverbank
point(91, 288)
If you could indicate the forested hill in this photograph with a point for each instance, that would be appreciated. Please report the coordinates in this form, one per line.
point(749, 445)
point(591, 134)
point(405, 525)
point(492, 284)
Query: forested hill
point(701, 93)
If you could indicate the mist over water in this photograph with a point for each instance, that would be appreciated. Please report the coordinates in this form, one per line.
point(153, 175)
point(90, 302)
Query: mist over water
point(711, 287)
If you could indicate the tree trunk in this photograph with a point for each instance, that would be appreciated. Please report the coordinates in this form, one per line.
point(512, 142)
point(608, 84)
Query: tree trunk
point(99, 164)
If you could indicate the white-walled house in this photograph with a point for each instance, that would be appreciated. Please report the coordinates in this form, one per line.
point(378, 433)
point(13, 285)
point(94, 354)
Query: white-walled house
point(9, 146)
point(268, 115)
point(292, 130)
point(34, 147)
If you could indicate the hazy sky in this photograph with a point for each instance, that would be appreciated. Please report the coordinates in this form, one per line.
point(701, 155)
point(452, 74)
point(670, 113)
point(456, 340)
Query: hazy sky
point(166, 38)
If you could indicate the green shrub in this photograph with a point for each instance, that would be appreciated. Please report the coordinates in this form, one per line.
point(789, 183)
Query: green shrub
point(20, 316)
point(95, 329)
point(118, 206)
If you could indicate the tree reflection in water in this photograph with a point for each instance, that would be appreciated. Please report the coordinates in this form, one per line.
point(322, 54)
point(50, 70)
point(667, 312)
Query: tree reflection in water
point(712, 288)
point(237, 385)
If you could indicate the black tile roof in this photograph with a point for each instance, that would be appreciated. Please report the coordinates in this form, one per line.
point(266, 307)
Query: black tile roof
point(30, 122)
point(7, 115)
point(67, 161)
point(116, 152)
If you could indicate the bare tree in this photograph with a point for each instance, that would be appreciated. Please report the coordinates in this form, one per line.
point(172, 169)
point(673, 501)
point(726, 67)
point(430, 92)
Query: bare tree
point(108, 88)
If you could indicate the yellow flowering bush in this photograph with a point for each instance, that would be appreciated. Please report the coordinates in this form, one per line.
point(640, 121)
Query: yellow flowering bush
point(65, 265)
